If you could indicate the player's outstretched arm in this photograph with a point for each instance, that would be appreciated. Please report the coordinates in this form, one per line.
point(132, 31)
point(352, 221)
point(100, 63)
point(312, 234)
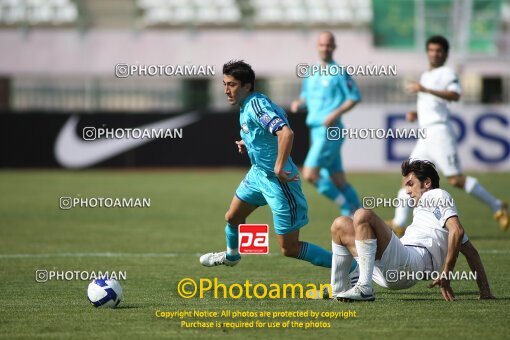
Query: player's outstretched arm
point(475, 263)
point(285, 139)
point(296, 104)
point(346, 106)
point(415, 87)
point(411, 116)
point(455, 235)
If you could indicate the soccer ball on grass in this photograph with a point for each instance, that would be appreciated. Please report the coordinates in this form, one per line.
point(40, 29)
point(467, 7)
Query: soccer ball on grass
point(104, 293)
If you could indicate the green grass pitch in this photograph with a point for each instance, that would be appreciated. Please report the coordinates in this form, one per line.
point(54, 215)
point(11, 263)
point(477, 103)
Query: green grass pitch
point(158, 246)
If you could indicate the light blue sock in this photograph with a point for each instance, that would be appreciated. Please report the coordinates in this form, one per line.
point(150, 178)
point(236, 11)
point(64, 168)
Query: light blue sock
point(353, 265)
point(315, 255)
point(232, 236)
point(355, 277)
point(346, 209)
point(351, 196)
point(327, 188)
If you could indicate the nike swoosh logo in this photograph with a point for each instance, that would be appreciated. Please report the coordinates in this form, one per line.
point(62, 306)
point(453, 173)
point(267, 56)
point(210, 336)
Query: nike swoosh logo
point(365, 295)
point(71, 151)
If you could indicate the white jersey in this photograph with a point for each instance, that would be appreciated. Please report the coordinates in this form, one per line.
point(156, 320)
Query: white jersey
point(427, 229)
point(432, 109)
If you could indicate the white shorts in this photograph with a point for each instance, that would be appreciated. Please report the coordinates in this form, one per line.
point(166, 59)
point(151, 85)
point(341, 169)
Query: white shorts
point(400, 258)
point(439, 147)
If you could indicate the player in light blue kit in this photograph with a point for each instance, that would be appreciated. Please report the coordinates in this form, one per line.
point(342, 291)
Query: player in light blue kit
point(273, 178)
point(328, 95)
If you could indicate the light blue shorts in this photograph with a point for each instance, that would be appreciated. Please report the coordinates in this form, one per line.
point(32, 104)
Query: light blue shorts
point(324, 153)
point(286, 200)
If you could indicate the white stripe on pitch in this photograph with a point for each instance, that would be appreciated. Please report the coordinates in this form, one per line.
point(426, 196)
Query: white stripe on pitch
point(494, 251)
point(20, 256)
point(15, 256)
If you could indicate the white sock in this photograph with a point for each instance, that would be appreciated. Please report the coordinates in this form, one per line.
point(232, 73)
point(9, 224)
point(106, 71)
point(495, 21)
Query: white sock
point(340, 200)
point(342, 259)
point(402, 211)
point(474, 188)
point(366, 258)
point(232, 252)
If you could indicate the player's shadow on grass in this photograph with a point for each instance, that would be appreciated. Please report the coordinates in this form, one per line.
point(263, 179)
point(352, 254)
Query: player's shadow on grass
point(466, 295)
point(486, 238)
point(405, 296)
point(474, 295)
point(420, 299)
point(403, 292)
point(458, 297)
point(131, 306)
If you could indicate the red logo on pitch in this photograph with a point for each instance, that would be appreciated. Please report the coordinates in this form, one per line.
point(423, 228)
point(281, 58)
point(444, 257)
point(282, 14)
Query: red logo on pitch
point(253, 239)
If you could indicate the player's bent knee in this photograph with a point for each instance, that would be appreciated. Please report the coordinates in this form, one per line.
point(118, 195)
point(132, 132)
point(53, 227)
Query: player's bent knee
point(340, 183)
point(362, 216)
point(231, 218)
point(291, 252)
point(228, 216)
point(339, 224)
point(456, 181)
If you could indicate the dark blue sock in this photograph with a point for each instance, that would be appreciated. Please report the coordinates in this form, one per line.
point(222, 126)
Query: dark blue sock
point(315, 255)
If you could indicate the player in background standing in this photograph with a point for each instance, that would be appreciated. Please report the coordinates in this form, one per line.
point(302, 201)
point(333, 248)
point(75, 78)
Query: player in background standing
point(273, 178)
point(327, 98)
point(437, 87)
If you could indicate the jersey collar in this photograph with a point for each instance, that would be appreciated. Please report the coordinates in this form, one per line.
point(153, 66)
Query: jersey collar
point(247, 99)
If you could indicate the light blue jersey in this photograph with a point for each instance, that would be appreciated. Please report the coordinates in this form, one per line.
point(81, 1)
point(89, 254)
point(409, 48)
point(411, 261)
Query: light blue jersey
point(260, 119)
point(324, 93)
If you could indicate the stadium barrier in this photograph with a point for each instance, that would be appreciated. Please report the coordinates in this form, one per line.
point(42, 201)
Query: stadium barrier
point(74, 140)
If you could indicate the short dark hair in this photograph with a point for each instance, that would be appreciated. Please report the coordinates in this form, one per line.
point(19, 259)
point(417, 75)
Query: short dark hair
point(422, 170)
point(440, 40)
point(240, 71)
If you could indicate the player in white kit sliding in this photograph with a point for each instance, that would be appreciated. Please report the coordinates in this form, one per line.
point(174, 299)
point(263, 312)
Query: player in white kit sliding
point(430, 244)
point(437, 87)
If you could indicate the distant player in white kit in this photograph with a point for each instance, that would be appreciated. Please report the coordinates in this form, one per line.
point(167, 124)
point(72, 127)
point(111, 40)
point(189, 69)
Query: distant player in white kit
point(437, 87)
point(430, 244)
